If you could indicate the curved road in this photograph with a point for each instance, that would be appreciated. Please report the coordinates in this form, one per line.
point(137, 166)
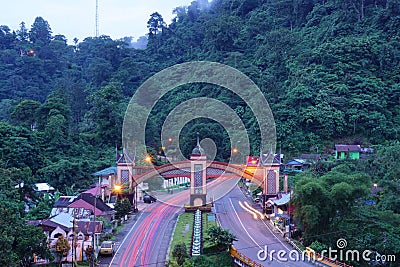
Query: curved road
point(235, 213)
point(147, 242)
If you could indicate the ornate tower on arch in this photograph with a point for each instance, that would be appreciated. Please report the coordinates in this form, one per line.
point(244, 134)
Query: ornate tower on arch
point(124, 170)
point(198, 175)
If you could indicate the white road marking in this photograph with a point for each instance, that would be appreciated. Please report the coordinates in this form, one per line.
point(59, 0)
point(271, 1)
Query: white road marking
point(244, 228)
point(123, 241)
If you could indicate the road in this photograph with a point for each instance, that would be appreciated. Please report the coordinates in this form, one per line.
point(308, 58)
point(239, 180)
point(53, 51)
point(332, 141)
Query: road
point(147, 241)
point(254, 234)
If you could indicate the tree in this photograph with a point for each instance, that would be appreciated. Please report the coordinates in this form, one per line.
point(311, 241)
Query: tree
point(122, 207)
point(155, 24)
point(42, 208)
point(56, 132)
point(6, 37)
point(18, 241)
point(25, 113)
point(180, 253)
point(107, 113)
point(221, 238)
point(40, 33)
point(62, 248)
point(31, 241)
point(63, 173)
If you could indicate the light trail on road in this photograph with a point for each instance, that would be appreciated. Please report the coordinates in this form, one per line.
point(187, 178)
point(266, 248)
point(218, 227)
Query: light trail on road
point(254, 235)
point(141, 247)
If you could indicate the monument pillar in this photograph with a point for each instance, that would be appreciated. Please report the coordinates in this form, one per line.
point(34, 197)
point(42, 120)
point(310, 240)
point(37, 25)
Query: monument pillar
point(198, 176)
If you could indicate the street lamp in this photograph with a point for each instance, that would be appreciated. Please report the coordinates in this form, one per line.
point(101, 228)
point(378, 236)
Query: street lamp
point(117, 187)
point(148, 159)
point(117, 190)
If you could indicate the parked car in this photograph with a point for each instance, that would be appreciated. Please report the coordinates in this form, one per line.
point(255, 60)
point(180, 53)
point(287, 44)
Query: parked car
point(149, 199)
point(107, 248)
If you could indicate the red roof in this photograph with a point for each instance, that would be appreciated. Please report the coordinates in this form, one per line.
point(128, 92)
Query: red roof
point(252, 161)
point(82, 204)
point(97, 191)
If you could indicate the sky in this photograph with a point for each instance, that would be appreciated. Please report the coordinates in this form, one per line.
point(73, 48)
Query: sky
point(76, 18)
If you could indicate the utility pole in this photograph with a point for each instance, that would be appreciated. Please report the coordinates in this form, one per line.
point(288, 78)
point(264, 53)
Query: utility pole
point(74, 239)
point(97, 18)
point(94, 243)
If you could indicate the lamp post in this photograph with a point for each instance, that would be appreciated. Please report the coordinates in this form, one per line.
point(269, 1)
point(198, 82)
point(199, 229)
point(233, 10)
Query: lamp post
point(117, 189)
point(289, 213)
point(94, 231)
point(74, 238)
point(94, 244)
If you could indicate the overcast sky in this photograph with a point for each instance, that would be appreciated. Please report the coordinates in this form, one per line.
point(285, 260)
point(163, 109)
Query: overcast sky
point(76, 18)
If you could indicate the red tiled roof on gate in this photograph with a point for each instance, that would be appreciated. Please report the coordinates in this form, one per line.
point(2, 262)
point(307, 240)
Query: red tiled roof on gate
point(342, 148)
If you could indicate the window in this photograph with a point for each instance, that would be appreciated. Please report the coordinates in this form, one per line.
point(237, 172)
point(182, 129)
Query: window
point(124, 176)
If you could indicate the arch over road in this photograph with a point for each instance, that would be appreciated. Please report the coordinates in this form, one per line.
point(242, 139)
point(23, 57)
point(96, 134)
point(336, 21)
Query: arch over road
point(250, 173)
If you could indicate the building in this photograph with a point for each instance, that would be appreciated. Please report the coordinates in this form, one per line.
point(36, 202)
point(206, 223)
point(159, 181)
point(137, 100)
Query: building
point(123, 176)
point(63, 224)
point(87, 203)
point(311, 158)
point(347, 151)
point(280, 212)
point(296, 165)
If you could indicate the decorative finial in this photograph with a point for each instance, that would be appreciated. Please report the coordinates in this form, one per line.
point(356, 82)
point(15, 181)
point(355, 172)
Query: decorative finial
point(198, 140)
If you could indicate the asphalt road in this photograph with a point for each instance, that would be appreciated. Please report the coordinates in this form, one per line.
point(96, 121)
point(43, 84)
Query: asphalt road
point(147, 241)
point(253, 233)
point(148, 235)
point(144, 241)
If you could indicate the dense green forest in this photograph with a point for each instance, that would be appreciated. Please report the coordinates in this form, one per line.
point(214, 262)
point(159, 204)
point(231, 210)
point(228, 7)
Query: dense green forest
point(330, 71)
point(353, 200)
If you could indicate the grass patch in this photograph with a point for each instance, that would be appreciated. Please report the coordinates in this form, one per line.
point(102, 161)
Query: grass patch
point(210, 257)
point(207, 224)
point(83, 263)
point(183, 233)
point(117, 229)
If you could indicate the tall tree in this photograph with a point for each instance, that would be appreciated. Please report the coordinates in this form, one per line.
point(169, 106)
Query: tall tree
point(155, 24)
point(107, 113)
point(40, 33)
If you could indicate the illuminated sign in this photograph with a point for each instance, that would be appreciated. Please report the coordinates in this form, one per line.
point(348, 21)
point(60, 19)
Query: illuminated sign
point(252, 161)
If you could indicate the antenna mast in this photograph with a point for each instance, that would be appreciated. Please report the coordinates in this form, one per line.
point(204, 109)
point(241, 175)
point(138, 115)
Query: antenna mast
point(97, 18)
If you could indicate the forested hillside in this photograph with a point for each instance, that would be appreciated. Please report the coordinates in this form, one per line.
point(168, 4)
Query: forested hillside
point(330, 71)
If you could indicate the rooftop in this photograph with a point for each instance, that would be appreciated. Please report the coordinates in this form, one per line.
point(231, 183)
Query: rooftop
point(352, 148)
point(106, 172)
